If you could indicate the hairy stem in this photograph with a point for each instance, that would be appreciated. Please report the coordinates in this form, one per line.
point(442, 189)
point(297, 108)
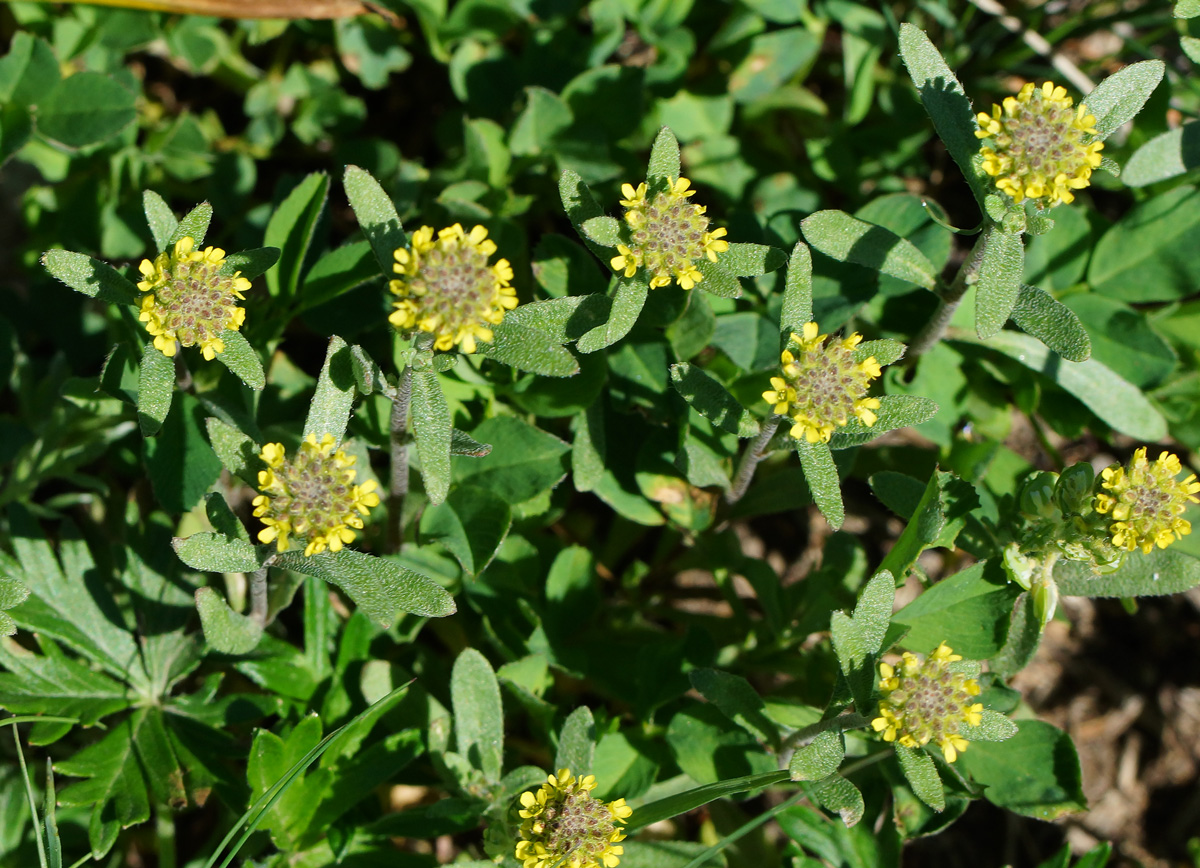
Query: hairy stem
point(398, 486)
point(258, 592)
point(750, 459)
point(950, 298)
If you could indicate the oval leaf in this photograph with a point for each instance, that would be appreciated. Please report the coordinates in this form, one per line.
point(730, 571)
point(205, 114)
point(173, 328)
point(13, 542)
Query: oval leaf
point(848, 239)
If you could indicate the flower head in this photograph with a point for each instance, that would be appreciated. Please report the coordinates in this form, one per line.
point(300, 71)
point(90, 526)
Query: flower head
point(312, 496)
point(563, 826)
point(1145, 501)
point(447, 288)
point(1041, 146)
point(189, 300)
point(667, 235)
point(821, 386)
point(926, 701)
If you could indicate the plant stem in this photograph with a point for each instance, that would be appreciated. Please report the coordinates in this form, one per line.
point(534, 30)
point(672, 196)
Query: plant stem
point(258, 592)
point(164, 837)
point(951, 297)
point(750, 459)
point(398, 486)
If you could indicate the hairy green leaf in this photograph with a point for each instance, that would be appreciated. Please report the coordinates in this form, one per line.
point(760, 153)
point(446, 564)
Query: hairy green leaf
point(92, 277)
point(478, 714)
point(818, 759)
point(1121, 96)
point(922, 776)
point(1039, 314)
point(227, 631)
point(848, 239)
point(242, 359)
point(376, 215)
point(712, 400)
point(999, 282)
point(432, 433)
point(329, 410)
point(823, 481)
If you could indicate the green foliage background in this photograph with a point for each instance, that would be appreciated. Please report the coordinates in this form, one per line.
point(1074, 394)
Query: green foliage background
point(580, 593)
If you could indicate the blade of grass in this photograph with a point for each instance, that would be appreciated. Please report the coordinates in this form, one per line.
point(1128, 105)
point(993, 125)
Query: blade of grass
point(41, 848)
point(253, 816)
point(745, 829)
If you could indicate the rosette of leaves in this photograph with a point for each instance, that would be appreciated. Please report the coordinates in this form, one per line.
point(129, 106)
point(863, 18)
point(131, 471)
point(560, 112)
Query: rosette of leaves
point(156, 373)
point(159, 733)
point(627, 295)
point(382, 588)
point(713, 400)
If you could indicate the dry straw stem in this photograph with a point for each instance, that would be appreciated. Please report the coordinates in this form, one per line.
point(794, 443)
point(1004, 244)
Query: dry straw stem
point(250, 8)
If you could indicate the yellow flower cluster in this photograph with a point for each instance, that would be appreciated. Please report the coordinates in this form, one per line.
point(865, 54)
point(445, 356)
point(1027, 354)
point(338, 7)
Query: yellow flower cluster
point(563, 826)
point(1146, 501)
point(668, 235)
point(822, 386)
point(926, 701)
point(188, 300)
point(312, 496)
point(1042, 147)
point(447, 288)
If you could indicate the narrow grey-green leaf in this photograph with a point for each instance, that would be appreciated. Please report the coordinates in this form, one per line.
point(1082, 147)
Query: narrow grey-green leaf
point(156, 387)
point(922, 776)
point(194, 225)
point(993, 726)
point(946, 101)
point(1121, 96)
point(250, 263)
point(1163, 571)
point(717, 280)
point(848, 239)
point(822, 477)
point(237, 451)
point(227, 631)
point(835, 793)
point(577, 742)
point(291, 229)
point(751, 260)
point(528, 349)
point(999, 282)
point(818, 759)
point(895, 412)
point(605, 231)
point(217, 553)
point(1167, 155)
point(383, 589)
point(376, 215)
point(712, 400)
point(562, 319)
point(329, 410)
point(797, 292)
point(478, 713)
point(664, 158)
point(92, 277)
point(242, 360)
point(1117, 402)
point(885, 351)
point(627, 302)
point(431, 430)
point(50, 820)
point(1053, 323)
point(160, 218)
point(462, 443)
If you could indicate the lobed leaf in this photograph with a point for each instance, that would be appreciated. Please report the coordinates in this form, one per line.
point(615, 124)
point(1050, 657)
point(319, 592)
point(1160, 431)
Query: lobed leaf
point(86, 108)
